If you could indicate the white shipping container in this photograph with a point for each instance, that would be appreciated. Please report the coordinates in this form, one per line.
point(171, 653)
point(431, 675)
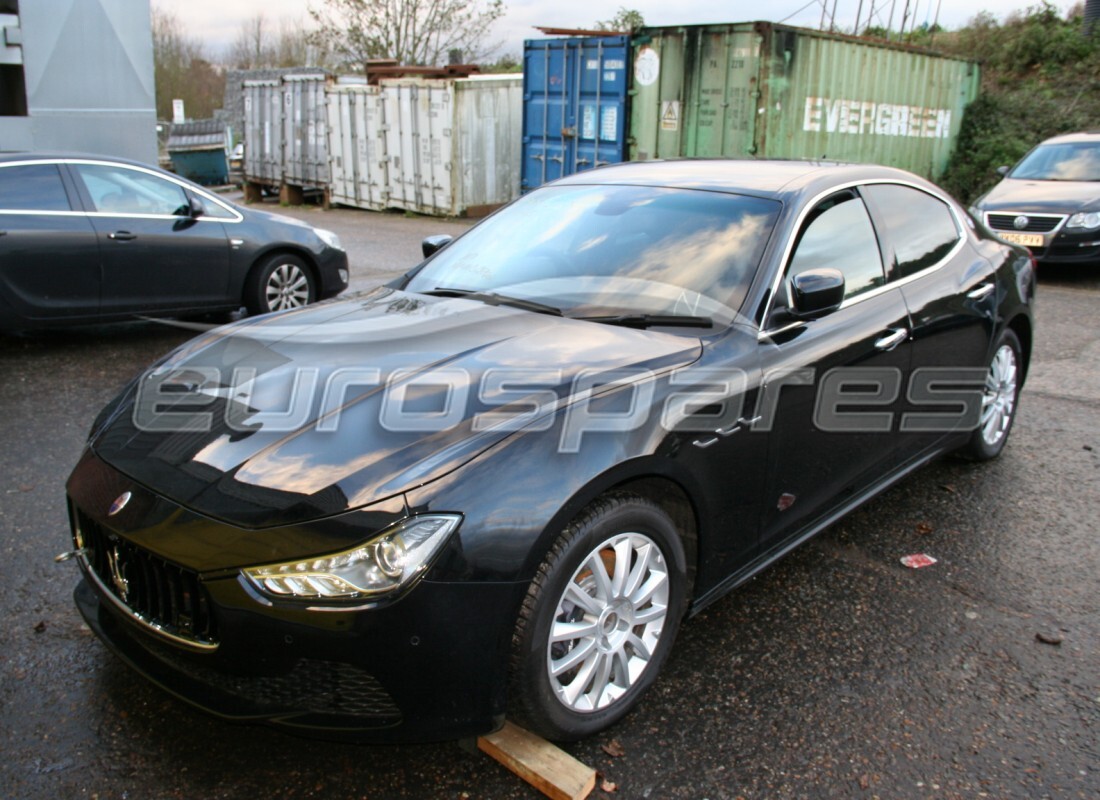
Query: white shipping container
point(358, 174)
point(263, 117)
point(305, 156)
point(419, 133)
point(488, 120)
point(434, 146)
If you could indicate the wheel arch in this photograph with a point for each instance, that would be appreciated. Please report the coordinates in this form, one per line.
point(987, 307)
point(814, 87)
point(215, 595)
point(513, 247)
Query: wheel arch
point(1021, 326)
point(656, 480)
point(281, 249)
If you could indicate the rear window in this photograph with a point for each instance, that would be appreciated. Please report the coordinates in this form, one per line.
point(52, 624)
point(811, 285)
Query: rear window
point(32, 187)
point(920, 228)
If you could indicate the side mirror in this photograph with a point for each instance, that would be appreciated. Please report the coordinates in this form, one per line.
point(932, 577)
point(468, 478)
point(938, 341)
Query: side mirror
point(817, 292)
point(196, 208)
point(433, 244)
point(1002, 171)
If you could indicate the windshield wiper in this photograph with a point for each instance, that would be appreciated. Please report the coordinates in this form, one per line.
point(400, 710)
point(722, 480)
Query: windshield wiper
point(653, 321)
point(495, 299)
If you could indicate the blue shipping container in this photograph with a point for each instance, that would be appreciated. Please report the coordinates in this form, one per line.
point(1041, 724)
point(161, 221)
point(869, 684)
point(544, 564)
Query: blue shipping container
point(574, 106)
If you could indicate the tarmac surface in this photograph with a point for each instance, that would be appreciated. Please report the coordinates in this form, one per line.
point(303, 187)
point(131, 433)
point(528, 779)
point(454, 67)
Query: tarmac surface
point(836, 673)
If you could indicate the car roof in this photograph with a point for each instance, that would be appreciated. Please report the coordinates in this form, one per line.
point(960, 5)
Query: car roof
point(10, 156)
point(1069, 138)
point(777, 180)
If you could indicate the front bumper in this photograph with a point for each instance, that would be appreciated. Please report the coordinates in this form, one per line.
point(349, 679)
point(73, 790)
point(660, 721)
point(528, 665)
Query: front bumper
point(332, 266)
point(431, 667)
point(1054, 243)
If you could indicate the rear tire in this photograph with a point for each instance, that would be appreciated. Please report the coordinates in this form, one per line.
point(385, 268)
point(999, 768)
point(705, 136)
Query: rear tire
point(1000, 398)
point(279, 283)
point(599, 619)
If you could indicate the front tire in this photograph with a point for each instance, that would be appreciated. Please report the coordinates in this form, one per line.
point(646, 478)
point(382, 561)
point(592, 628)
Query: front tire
point(599, 619)
point(281, 282)
point(1000, 398)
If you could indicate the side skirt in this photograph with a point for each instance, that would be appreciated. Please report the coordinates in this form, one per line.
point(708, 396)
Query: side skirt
point(762, 562)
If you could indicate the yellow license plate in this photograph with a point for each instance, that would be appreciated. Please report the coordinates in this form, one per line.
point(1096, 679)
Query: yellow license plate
point(1026, 239)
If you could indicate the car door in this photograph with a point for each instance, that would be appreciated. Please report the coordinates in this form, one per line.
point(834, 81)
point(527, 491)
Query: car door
point(156, 255)
point(49, 259)
point(832, 385)
point(950, 291)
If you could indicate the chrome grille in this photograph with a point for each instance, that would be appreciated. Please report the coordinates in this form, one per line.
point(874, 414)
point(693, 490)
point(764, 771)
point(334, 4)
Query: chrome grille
point(167, 598)
point(1036, 223)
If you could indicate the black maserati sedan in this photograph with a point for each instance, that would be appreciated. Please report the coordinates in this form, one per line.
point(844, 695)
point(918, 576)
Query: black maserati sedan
point(497, 486)
point(91, 238)
point(1050, 201)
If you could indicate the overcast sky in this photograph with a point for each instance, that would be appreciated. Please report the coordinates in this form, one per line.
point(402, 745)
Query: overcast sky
point(217, 22)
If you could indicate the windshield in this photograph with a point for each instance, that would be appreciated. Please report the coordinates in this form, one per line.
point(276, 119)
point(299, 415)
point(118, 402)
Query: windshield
point(1072, 161)
point(594, 250)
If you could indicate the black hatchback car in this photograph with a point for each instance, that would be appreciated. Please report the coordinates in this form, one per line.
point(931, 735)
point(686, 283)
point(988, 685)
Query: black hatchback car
point(1050, 201)
point(498, 485)
point(90, 238)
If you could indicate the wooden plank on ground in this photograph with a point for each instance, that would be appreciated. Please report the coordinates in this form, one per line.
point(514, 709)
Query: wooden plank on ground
point(549, 769)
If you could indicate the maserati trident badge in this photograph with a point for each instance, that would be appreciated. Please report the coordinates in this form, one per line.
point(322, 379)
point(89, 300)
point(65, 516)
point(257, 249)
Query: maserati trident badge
point(119, 504)
point(122, 586)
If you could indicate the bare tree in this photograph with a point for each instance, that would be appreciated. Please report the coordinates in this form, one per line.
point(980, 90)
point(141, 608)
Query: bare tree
point(420, 32)
point(250, 48)
point(181, 69)
point(257, 46)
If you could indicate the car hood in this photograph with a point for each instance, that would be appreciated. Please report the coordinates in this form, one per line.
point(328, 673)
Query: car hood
point(300, 415)
point(259, 215)
point(1062, 197)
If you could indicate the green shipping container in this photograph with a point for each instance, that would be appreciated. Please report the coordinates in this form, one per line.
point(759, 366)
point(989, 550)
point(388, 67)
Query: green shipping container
point(756, 89)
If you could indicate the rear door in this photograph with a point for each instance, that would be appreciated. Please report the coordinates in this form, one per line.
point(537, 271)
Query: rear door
point(155, 255)
point(951, 294)
point(49, 257)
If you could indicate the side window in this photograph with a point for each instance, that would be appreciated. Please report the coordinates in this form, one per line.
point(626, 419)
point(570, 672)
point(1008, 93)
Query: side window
point(32, 187)
point(838, 234)
point(921, 229)
point(120, 190)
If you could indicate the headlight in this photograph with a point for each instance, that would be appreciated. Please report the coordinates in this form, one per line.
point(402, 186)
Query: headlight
point(329, 238)
point(1085, 219)
point(391, 559)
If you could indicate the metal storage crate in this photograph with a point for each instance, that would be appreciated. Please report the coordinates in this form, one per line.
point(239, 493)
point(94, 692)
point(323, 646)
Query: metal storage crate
point(305, 145)
point(263, 119)
point(358, 172)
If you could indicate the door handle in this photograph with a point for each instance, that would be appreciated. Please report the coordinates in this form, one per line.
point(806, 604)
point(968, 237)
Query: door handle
point(892, 340)
point(724, 432)
point(122, 236)
point(981, 292)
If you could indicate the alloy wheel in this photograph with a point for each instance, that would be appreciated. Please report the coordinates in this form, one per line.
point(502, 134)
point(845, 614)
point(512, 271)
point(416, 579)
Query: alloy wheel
point(608, 622)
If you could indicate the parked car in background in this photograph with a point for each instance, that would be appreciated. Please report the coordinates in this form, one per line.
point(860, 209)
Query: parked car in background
point(497, 485)
point(1050, 201)
point(90, 238)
